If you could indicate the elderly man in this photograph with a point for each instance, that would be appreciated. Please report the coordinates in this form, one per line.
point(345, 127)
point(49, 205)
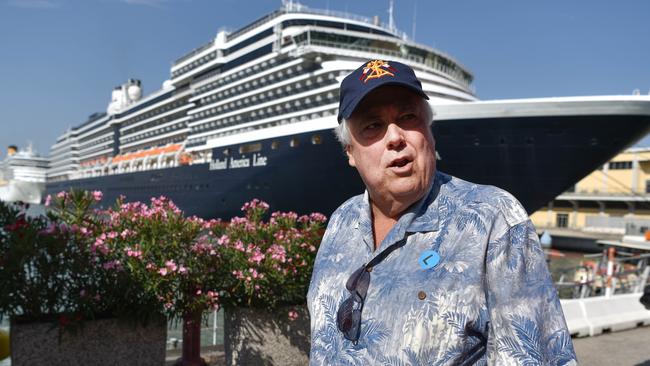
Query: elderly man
point(425, 268)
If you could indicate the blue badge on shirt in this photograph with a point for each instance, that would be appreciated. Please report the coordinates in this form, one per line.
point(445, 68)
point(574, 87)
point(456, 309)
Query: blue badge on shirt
point(429, 259)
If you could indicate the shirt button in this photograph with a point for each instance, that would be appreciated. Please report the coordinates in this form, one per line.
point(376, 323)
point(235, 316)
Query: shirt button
point(422, 295)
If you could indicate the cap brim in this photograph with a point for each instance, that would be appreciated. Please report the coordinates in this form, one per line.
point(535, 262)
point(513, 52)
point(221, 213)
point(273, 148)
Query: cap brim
point(349, 109)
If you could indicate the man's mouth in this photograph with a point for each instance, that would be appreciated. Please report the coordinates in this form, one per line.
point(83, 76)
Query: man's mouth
point(398, 163)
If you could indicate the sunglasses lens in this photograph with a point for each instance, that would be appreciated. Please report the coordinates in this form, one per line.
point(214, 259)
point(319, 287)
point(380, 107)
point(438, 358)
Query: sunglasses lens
point(354, 278)
point(352, 334)
point(344, 315)
point(362, 284)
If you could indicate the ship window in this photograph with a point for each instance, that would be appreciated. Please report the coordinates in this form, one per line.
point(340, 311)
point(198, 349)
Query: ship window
point(250, 148)
point(647, 186)
point(294, 142)
point(316, 140)
point(562, 220)
point(226, 151)
point(275, 144)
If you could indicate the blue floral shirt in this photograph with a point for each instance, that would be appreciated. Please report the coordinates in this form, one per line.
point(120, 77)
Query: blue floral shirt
point(491, 285)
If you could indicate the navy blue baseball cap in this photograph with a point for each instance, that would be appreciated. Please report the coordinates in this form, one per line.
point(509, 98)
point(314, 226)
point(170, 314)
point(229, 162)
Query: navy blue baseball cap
point(370, 76)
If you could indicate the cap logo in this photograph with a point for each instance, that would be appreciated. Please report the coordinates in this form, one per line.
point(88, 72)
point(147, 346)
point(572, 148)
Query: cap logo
point(376, 69)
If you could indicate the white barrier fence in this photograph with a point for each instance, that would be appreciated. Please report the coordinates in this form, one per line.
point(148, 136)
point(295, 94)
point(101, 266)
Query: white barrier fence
point(596, 315)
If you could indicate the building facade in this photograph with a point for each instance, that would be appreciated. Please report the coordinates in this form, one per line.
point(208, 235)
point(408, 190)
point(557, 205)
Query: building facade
point(610, 199)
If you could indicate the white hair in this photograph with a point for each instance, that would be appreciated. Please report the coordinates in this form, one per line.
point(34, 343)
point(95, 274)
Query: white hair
point(343, 133)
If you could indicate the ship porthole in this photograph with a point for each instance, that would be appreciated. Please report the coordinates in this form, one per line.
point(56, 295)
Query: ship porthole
point(275, 144)
point(316, 140)
point(294, 142)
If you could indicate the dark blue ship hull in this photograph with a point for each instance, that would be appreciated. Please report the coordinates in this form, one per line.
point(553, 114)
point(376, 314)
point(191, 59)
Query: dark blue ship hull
point(534, 158)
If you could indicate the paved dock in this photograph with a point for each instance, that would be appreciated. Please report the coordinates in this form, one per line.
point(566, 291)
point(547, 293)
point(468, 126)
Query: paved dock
point(626, 348)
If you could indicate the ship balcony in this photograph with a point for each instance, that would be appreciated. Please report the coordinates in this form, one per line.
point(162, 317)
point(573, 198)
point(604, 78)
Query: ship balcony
point(251, 77)
point(261, 115)
point(284, 80)
point(321, 89)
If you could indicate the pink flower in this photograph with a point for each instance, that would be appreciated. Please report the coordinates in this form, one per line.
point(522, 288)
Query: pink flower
point(182, 269)
point(318, 217)
point(278, 253)
point(62, 194)
point(114, 264)
point(163, 271)
point(126, 233)
point(171, 266)
point(223, 240)
point(97, 195)
point(257, 256)
point(239, 246)
point(293, 315)
point(48, 200)
point(134, 253)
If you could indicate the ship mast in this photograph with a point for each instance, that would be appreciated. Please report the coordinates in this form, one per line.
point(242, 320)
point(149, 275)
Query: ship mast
point(391, 21)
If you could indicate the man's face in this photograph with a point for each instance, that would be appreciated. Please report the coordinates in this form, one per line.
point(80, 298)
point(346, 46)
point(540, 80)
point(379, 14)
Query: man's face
point(391, 145)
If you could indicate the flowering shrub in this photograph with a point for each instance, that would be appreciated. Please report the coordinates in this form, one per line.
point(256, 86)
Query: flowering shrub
point(146, 262)
point(48, 270)
point(156, 246)
point(267, 264)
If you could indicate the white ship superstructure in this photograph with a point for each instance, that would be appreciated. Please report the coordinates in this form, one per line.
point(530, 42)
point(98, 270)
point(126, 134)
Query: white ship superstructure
point(275, 77)
point(22, 176)
point(281, 74)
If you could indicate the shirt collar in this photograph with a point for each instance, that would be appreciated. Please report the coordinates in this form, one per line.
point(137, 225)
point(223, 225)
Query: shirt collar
point(422, 216)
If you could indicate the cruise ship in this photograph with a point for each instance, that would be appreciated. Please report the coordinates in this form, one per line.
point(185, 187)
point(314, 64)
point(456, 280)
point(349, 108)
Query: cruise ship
point(22, 176)
point(250, 115)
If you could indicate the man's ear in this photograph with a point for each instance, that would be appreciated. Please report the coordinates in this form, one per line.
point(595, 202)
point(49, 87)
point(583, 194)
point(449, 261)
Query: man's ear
point(348, 152)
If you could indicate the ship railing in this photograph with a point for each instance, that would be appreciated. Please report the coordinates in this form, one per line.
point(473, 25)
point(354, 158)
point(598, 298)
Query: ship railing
point(299, 8)
point(349, 16)
point(592, 280)
point(193, 52)
point(373, 50)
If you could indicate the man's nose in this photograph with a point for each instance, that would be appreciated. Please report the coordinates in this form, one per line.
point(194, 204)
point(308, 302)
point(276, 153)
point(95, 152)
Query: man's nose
point(394, 136)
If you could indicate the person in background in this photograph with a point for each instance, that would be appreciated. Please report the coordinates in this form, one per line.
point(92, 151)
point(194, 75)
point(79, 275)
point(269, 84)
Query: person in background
point(425, 268)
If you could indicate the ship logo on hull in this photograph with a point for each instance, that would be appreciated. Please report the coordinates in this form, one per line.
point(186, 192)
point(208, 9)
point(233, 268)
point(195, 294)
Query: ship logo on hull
point(243, 162)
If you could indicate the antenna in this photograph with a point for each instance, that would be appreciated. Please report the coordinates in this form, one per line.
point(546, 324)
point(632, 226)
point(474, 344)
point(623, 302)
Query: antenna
point(391, 21)
point(287, 4)
point(415, 11)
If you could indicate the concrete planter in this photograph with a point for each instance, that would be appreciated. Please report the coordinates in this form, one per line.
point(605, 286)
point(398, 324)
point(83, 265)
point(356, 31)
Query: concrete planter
point(100, 342)
point(260, 337)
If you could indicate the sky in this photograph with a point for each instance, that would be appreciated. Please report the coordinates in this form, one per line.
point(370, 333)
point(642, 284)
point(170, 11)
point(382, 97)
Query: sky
point(60, 59)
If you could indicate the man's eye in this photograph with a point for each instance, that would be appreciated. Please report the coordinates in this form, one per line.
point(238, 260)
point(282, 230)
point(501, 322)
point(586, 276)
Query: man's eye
point(371, 126)
point(408, 116)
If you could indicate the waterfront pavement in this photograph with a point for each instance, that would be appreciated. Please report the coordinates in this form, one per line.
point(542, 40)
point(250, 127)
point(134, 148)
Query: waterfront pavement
point(626, 348)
